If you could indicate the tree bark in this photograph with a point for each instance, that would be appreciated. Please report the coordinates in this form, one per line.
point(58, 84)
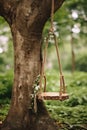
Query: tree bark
point(27, 19)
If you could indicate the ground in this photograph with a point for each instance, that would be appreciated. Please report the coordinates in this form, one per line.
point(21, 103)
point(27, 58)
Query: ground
point(70, 114)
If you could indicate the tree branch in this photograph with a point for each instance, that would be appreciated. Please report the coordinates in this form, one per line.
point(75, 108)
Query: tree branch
point(42, 9)
point(35, 12)
point(7, 7)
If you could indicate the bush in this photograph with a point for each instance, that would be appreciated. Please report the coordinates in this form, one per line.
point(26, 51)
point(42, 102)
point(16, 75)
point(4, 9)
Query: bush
point(77, 100)
point(6, 86)
point(79, 79)
point(80, 63)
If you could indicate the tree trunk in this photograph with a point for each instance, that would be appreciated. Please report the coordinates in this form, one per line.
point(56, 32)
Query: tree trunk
point(73, 53)
point(26, 19)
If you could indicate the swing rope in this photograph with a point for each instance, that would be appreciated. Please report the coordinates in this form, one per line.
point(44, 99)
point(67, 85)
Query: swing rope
point(52, 15)
point(43, 75)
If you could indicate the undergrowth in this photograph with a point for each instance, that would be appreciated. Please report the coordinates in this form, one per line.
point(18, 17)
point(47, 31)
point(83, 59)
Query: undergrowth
point(74, 110)
point(70, 112)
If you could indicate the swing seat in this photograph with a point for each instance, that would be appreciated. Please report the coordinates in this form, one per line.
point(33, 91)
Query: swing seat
point(52, 96)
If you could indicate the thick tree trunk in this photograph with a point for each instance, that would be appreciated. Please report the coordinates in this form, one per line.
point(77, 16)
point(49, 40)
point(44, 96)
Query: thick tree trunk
point(27, 57)
point(27, 20)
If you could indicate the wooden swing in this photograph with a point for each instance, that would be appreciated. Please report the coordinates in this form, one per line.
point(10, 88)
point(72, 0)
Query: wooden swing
point(61, 95)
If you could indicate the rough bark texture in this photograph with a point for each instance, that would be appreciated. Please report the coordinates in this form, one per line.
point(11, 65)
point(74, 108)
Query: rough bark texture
point(26, 19)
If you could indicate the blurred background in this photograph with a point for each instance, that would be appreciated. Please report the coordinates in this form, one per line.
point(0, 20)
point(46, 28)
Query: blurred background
point(70, 24)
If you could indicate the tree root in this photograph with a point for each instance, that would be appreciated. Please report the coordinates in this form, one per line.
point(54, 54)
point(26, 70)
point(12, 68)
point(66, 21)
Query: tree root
point(34, 121)
point(43, 123)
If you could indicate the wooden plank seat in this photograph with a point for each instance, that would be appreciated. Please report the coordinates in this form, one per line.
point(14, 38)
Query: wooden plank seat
point(52, 96)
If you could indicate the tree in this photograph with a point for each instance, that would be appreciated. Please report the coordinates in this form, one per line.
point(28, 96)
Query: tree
point(26, 19)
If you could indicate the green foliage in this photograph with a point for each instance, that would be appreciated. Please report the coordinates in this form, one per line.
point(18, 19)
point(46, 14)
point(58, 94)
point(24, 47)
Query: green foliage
point(6, 55)
point(69, 115)
point(80, 63)
point(79, 79)
point(74, 110)
point(3, 111)
point(2, 21)
point(6, 81)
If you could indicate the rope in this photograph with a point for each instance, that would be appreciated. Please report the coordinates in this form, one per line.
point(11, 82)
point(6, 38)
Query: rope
point(43, 75)
point(51, 32)
point(62, 82)
point(52, 15)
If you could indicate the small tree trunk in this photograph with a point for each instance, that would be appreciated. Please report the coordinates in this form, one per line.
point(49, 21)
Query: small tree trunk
point(73, 54)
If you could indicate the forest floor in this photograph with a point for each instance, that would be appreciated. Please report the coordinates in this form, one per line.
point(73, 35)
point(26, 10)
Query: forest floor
point(70, 114)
